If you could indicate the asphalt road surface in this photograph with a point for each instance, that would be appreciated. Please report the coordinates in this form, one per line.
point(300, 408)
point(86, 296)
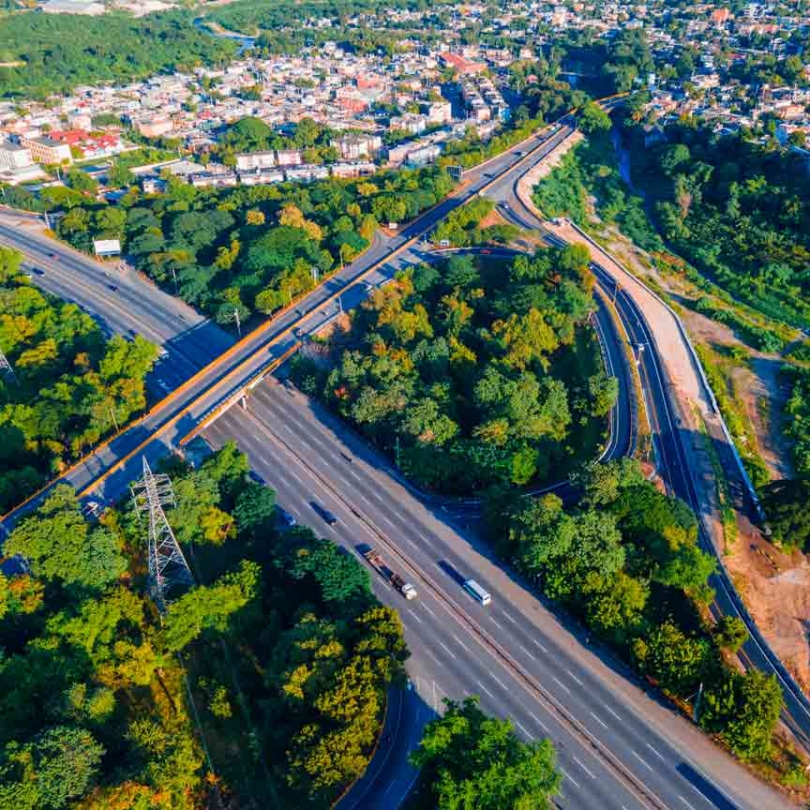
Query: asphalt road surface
point(619, 747)
point(121, 302)
point(108, 471)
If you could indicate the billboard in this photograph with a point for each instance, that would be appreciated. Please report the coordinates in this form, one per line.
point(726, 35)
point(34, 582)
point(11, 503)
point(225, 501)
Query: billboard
point(107, 247)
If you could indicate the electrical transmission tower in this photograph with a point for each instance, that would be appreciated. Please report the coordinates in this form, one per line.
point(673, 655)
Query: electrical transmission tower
point(168, 569)
point(5, 368)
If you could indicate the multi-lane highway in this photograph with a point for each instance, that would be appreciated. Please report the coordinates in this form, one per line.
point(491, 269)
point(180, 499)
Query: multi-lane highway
point(619, 747)
point(121, 301)
point(110, 468)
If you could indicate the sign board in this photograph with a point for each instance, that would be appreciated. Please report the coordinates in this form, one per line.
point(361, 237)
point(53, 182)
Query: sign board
point(107, 247)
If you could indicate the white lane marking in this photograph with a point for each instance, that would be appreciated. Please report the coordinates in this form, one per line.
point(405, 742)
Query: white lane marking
point(575, 677)
point(528, 652)
point(422, 537)
point(569, 777)
point(561, 684)
point(485, 689)
point(524, 729)
point(295, 475)
point(459, 641)
point(354, 475)
point(607, 708)
point(599, 720)
point(508, 617)
point(413, 613)
point(499, 626)
point(447, 650)
point(364, 499)
point(388, 522)
point(686, 802)
point(642, 760)
point(585, 767)
point(499, 682)
point(428, 610)
point(539, 722)
point(436, 660)
point(540, 645)
point(656, 752)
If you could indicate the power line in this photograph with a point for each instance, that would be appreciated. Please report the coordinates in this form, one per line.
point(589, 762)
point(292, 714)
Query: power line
point(168, 569)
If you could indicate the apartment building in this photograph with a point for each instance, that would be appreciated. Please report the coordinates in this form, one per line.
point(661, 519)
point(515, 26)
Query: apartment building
point(47, 151)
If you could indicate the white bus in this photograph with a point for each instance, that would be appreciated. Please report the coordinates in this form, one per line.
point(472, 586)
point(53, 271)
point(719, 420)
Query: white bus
point(476, 591)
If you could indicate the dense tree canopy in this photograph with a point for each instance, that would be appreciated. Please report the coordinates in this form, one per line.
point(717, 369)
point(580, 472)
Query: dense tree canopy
point(71, 386)
point(472, 761)
point(287, 653)
point(473, 374)
point(252, 249)
point(60, 51)
point(737, 209)
point(626, 560)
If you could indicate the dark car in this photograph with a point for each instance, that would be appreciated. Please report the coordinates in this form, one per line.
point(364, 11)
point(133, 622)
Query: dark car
point(53, 255)
point(113, 287)
point(37, 272)
point(285, 517)
point(324, 513)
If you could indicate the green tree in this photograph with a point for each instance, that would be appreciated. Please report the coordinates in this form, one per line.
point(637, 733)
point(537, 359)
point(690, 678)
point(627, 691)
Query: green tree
point(209, 607)
point(60, 764)
point(744, 710)
point(59, 544)
point(731, 633)
point(471, 760)
point(593, 119)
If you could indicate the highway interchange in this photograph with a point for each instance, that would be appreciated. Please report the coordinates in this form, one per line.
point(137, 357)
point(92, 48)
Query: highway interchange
point(619, 747)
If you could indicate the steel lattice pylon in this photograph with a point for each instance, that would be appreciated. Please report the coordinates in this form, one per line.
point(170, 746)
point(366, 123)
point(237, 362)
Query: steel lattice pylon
point(5, 368)
point(168, 568)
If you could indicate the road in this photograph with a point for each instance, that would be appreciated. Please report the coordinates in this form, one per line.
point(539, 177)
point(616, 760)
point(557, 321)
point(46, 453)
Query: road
point(516, 681)
point(112, 466)
point(619, 747)
point(135, 306)
point(673, 441)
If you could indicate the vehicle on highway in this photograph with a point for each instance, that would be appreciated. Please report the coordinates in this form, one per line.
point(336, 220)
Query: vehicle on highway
point(37, 272)
point(285, 517)
point(324, 513)
point(113, 287)
point(477, 592)
point(53, 256)
point(376, 562)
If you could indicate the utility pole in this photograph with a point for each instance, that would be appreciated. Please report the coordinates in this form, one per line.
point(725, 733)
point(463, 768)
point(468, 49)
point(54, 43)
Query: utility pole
point(697, 703)
point(340, 305)
point(47, 221)
point(174, 278)
point(168, 569)
point(238, 322)
point(6, 368)
point(314, 270)
point(114, 420)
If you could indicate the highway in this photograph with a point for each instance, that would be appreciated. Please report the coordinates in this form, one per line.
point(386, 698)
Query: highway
point(110, 468)
point(619, 747)
point(134, 306)
point(670, 439)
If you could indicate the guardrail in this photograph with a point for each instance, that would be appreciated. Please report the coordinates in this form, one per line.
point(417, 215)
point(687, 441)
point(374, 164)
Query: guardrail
point(698, 367)
point(789, 685)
